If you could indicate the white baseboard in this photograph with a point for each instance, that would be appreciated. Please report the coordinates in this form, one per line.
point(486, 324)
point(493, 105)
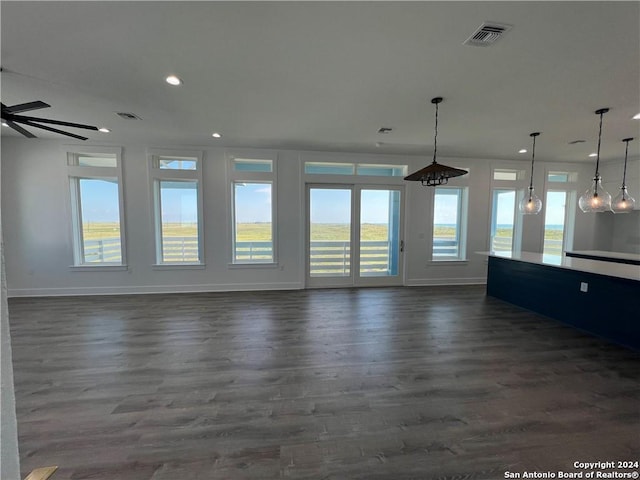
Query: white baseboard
point(426, 282)
point(149, 289)
point(227, 287)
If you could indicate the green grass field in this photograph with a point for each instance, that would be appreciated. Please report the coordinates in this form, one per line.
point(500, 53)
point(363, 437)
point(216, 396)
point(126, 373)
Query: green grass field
point(261, 232)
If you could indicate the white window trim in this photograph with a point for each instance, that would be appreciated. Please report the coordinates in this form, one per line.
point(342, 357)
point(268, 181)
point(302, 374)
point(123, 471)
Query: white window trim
point(74, 174)
point(156, 175)
point(520, 185)
point(572, 186)
point(356, 160)
point(234, 177)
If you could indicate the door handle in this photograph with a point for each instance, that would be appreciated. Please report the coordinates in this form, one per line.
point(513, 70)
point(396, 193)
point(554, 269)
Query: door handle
point(401, 246)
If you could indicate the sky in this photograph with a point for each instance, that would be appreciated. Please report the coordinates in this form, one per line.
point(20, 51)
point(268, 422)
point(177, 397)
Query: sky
point(253, 202)
point(100, 204)
point(99, 200)
point(330, 205)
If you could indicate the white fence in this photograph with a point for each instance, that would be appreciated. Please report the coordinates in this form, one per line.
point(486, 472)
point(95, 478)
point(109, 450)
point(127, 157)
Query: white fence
point(327, 257)
point(504, 244)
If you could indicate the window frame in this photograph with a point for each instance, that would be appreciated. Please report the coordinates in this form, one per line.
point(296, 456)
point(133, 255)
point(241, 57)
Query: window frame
point(519, 186)
point(158, 175)
point(75, 173)
point(247, 176)
point(571, 188)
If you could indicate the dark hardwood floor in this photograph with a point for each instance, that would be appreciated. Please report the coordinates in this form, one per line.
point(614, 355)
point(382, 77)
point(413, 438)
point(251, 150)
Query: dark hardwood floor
point(379, 383)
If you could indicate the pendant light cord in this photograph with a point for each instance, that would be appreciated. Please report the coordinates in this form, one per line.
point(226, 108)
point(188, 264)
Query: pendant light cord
point(533, 157)
point(435, 137)
point(624, 172)
point(598, 152)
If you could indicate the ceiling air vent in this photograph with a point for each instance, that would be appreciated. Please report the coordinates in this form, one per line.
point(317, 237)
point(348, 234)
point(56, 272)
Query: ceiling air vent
point(128, 116)
point(488, 34)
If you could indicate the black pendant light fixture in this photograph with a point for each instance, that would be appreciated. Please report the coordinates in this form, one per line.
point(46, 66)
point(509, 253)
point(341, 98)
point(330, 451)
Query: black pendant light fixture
point(435, 174)
point(596, 199)
point(531, 203)
point(624, 203)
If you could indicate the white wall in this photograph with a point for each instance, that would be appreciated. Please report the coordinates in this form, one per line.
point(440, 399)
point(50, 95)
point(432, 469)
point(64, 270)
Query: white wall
point(620, 232)
point(9, 459)
point(38, 233)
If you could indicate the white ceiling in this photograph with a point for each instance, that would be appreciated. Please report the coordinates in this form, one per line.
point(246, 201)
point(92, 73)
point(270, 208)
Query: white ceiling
point(328, 75)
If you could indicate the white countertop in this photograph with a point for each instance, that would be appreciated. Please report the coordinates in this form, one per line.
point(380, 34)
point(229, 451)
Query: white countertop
point(620, 270)
point(604, 254)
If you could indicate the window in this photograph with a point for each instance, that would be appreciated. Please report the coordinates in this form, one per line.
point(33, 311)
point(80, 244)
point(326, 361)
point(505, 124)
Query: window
point(252, 165)
point(554, 223)
point(449, 223)
point(330, 168)
point(253, 209)
point(559, 211)
point(503, 221)
point(507, 174)
point(177, 207)
point(253, 223)
point(170, 163)
point(382, 170)
point(95, 184)
point(561, 177)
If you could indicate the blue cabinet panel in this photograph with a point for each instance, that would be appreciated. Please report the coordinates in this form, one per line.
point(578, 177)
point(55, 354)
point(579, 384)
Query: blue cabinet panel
point(610, 308)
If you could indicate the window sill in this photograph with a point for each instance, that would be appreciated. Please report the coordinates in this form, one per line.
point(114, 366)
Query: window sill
point(178, 266)
point(269, 265)
point(98, 268)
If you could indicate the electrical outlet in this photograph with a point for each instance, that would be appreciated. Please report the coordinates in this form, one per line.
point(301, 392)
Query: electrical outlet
point(584, 287)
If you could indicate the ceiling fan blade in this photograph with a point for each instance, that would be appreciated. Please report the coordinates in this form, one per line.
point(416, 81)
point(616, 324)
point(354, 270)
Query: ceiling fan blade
point(57, 122)
point(19, 129)
point(25, 107)
point(54, 130)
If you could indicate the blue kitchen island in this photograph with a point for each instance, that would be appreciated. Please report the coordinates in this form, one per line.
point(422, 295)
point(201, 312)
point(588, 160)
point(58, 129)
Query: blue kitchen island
point(599, 297)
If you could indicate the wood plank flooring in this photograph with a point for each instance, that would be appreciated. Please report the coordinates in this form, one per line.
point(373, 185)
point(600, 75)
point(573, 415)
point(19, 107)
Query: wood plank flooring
point(379, 383)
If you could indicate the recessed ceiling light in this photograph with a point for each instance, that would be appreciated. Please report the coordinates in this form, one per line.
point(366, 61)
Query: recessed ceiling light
point(636, 116)
point(594, 154)
point(104, 130)
point(173, 80)
point(216, 135)
point(522, 150)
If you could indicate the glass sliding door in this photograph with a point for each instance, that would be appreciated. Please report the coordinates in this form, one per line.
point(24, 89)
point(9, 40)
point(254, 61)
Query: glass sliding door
point(330, 235)
point(379, 233)
point(354, 236)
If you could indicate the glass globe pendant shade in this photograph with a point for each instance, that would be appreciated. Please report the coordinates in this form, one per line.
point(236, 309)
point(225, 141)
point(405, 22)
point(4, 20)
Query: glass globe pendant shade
point(623, 202)
point(530, 204)
point(596, 199)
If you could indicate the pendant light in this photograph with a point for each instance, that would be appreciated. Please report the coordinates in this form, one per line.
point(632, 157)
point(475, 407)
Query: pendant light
point(531, 204)
point(624, 203)
point(596, 199)
point(435, 174)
